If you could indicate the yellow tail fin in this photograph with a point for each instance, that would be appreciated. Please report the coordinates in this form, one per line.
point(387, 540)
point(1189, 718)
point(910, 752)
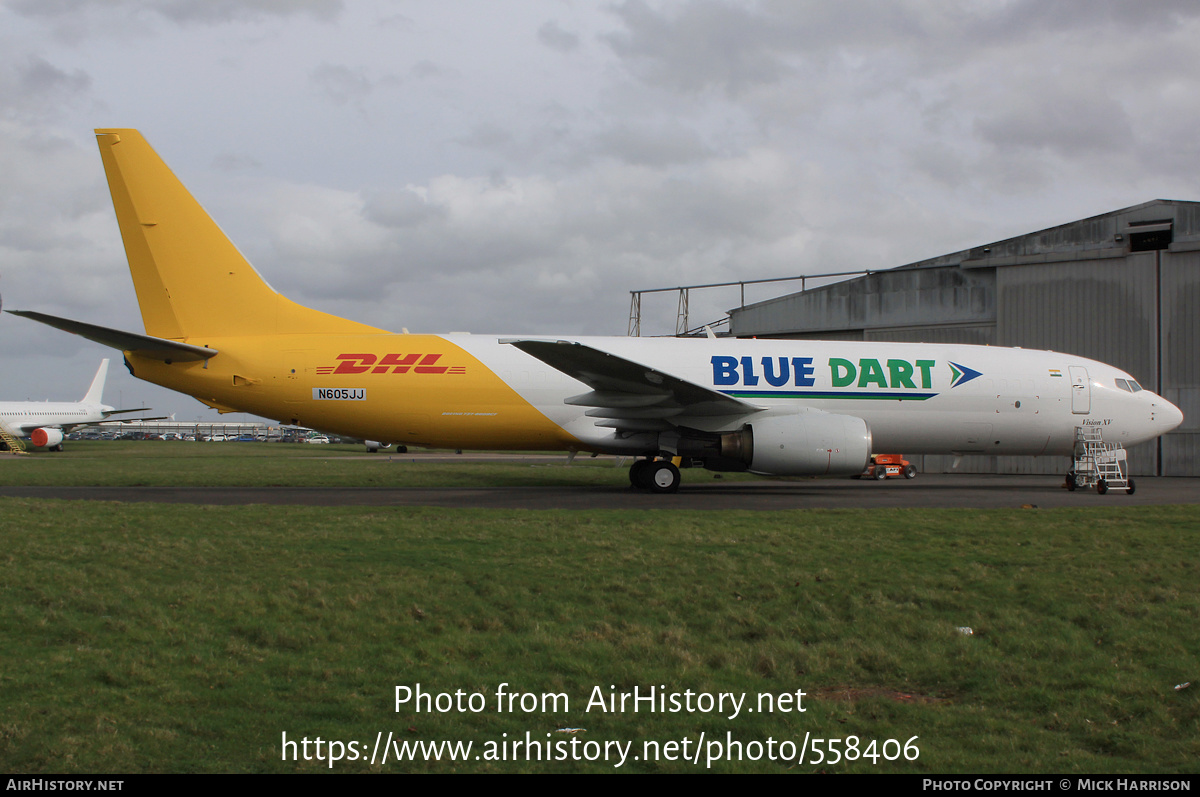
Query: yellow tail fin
point(191, 281)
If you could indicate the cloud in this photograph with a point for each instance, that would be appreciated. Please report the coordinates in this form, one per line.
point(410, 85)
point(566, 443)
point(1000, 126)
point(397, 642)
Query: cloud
point(1070, 124)
point(208, 12)
point(554, 37)
point(340, 84)
point(702, 45)
point(33, 89)
point(652, 146)
point(426, 69)
point(529, 252)
point(482, 183)
point(233, 162)
point(58, 242)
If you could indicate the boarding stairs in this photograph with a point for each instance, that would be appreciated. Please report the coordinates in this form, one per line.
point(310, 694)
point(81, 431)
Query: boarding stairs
point(1098, 464)
point(11, 444)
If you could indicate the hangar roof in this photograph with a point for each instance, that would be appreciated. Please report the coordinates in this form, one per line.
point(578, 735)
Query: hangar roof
point(1156, 224)
point(1115, 230)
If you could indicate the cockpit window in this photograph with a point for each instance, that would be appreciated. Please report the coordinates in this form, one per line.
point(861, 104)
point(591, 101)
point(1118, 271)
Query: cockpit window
point(1121, 383)
point(1135, 386)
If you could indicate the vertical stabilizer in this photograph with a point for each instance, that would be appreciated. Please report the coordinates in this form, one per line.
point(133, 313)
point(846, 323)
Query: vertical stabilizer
point(97, 389)
point(191, 281)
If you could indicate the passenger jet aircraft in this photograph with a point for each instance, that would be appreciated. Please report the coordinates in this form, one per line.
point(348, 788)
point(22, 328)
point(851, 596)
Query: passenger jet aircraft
point(217, 331)
point(45, 422)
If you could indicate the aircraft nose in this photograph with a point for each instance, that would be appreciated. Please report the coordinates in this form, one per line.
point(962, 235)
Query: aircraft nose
point(1166, 415)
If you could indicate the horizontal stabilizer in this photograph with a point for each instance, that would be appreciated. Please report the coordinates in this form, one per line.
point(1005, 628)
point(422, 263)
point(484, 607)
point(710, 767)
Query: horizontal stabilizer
point(143, 345)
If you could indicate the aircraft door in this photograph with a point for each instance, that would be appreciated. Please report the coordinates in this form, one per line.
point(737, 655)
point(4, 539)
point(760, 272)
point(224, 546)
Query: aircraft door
point(1081, 390)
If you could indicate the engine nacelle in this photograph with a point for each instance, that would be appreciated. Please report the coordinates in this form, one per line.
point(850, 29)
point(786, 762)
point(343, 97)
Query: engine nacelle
point(808, 444)
point(374, 445)
point(46, 437)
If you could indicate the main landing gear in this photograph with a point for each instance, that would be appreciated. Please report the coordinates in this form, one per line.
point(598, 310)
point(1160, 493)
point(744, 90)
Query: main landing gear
point(655, 475)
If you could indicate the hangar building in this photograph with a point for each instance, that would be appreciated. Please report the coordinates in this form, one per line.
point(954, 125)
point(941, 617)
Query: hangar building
point(1122, 288)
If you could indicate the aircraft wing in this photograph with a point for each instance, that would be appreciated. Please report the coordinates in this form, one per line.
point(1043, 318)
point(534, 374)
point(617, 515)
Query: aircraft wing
point(144, 345)
point(25, 429)
point(626, 394)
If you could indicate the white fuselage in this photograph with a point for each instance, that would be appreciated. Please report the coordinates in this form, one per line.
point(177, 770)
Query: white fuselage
point(22, 417)
point(916, 398)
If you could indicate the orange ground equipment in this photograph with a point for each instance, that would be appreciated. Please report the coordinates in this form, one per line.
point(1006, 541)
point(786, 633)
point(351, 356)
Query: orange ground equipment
point(884, 465)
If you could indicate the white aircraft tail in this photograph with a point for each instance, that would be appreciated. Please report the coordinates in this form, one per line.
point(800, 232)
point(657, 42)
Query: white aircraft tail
point(97, 389)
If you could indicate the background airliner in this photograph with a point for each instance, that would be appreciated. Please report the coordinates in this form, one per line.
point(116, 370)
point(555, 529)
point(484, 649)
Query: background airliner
point(45, 423)
point(785, 407)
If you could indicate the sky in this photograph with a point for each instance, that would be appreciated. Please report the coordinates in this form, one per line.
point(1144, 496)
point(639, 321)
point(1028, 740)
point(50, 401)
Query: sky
point(521, 167)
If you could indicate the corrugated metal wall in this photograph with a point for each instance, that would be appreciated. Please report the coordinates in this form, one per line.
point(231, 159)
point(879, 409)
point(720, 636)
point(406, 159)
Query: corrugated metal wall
point(1101, 309)
point(978, 334)
point(906, 297)
point(1181, 358)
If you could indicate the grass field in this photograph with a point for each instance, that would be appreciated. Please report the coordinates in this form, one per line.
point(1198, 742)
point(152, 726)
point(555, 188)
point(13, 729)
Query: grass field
point(175, 638)
point(157, 463)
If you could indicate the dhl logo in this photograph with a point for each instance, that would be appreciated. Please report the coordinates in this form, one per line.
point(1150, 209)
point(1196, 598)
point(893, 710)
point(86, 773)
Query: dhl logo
point(395, 363)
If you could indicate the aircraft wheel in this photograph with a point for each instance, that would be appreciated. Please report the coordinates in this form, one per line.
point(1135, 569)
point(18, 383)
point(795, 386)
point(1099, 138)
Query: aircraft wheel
point(880, 472)
point(663, 477)
point(910, 472)
point(1102, 486)
point(1130, 486)
point(637, 474)
point(1071, 485)
point(57, 447)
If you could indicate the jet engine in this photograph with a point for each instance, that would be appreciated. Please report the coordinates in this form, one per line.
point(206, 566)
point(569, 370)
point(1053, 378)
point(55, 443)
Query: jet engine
point(804, 444)
point(809, 444)
point(44, 437)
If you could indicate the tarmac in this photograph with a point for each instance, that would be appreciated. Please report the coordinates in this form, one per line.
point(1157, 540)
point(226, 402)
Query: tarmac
point(701, 490)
